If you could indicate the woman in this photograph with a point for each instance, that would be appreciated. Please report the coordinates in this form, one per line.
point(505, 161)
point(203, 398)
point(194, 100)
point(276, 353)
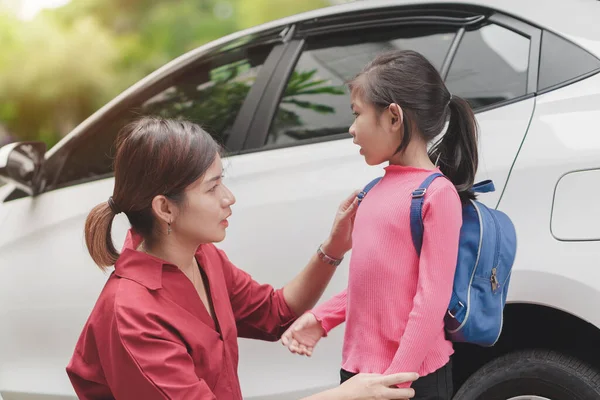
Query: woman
point(166, 323)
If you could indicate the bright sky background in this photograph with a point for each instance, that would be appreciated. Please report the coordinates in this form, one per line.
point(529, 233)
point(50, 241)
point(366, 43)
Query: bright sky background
point(27, 9)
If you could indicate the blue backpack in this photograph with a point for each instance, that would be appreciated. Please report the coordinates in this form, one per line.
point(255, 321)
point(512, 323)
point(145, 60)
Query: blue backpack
point(486, 253)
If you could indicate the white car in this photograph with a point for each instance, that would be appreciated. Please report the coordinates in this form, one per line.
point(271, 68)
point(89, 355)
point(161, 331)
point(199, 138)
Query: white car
point(274, 96)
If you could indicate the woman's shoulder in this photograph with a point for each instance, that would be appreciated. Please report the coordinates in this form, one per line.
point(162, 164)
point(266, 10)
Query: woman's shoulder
point(130, 296)
point(119, 299)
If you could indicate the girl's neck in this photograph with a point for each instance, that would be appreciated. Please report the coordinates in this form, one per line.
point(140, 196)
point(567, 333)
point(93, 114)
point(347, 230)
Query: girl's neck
point(415, 155)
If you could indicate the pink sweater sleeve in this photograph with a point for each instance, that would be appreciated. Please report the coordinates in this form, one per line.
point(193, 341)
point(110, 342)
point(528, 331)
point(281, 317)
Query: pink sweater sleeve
point(332, 312)
point(442, 220)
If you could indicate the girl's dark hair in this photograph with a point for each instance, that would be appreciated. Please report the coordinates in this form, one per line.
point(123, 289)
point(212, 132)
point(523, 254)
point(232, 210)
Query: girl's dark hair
point(406, 78)
point(154, 156)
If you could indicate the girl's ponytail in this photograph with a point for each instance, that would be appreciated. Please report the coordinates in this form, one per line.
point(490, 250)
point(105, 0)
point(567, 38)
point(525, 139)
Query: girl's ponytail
point(98, 238)
point(456, 153)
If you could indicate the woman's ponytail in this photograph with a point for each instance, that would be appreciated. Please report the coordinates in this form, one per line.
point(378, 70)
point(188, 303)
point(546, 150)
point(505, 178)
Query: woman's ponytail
point(98, 238)
point(456, 153)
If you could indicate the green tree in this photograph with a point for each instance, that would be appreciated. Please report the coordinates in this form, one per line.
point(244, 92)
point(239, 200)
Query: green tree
point(53, 77)
point(59, 68)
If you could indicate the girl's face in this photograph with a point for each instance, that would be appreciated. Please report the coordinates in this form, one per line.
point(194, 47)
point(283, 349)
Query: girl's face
point(377, 133)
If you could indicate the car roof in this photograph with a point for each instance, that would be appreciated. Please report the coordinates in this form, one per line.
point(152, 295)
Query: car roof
point(576, 20)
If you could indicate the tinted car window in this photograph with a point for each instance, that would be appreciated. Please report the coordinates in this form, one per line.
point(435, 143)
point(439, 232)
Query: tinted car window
point(562, 61)
point(490, 66)
point(210, 94)
point(316, 104)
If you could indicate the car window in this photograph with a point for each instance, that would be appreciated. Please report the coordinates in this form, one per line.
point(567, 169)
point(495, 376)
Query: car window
point(210, 94)
point(490, 66)
point(562, 61)
point(315, 103)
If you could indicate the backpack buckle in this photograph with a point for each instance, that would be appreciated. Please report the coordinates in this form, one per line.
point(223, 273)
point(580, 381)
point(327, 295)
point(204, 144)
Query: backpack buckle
point(360, 196)
point(418, 193)
point(456, 309)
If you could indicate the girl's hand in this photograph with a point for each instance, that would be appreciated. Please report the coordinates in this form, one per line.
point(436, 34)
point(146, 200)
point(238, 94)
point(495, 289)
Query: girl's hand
point(340, 238)
point(302, 337)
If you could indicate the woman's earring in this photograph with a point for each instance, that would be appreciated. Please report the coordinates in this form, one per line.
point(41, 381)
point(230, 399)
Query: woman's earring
point(169, 228)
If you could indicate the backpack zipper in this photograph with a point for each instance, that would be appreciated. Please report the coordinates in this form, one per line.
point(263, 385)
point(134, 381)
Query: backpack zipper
point(494, 277)
point(474, 270)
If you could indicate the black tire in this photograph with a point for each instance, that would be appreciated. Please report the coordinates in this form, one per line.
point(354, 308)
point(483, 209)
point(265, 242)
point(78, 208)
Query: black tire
point(542, 373)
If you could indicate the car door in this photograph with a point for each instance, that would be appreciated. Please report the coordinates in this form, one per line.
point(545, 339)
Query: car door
point(300, 162)
point(495, 69)
point(49, 283)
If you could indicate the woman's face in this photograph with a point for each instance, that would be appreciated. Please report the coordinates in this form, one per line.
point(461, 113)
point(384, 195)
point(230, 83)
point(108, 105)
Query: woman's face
point(202, 218)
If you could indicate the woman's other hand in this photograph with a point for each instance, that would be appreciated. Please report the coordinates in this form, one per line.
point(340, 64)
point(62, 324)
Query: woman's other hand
point(374, 386)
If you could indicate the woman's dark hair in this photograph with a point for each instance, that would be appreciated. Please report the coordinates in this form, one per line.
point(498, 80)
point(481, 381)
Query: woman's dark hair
point(154, 157)
point(406, 78)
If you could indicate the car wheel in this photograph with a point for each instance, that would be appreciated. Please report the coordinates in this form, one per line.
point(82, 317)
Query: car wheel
point(532, 375)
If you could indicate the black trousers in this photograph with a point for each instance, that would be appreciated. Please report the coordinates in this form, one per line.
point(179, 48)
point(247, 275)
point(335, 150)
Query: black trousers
point(435, 386)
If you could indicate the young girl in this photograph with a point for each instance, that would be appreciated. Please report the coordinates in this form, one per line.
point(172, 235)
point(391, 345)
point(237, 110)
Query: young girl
point(396, 301)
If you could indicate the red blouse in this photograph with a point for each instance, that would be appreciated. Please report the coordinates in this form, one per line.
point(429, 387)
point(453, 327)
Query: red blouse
point(150, 337)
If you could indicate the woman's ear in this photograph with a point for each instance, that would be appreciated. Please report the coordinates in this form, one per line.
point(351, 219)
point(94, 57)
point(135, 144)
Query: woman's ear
point(396, 115)
point(163, 209)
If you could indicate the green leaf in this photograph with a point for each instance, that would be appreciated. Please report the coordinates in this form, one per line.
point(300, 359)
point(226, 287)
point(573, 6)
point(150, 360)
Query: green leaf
point(323, 90)
point(320, 108)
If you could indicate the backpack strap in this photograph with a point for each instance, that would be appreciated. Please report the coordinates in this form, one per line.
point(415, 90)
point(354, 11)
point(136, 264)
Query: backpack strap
point(366, 189)
point(416, 207)
point(418, 197)
point(484, 186)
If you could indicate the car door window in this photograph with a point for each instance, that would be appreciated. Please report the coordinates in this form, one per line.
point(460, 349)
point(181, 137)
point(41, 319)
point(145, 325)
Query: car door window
point(490, 66)
point(562, 61)
point(210, 94)
point(315, 103)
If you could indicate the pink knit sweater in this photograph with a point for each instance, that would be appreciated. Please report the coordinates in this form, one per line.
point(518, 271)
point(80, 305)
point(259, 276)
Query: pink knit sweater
point(395, 302)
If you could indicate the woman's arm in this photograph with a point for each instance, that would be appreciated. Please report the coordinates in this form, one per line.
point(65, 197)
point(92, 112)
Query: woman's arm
point(369, 386)
point(262, 312)
point(303, 292)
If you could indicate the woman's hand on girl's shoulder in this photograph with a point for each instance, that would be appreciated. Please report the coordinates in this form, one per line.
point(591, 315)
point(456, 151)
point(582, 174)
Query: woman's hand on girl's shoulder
point(340, 239)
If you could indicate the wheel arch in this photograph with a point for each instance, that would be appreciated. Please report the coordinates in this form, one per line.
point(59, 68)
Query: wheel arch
point(547, 310)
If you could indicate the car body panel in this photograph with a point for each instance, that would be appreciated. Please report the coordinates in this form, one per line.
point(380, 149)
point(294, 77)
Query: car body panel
point(563, 137)
point(286, 200)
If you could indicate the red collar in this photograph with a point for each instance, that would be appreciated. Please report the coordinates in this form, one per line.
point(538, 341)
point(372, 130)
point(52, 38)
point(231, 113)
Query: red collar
point(139, 266)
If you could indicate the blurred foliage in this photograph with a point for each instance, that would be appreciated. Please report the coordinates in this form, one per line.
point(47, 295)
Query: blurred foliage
point(302, 83)
point(215, 105)
point(60, 67)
